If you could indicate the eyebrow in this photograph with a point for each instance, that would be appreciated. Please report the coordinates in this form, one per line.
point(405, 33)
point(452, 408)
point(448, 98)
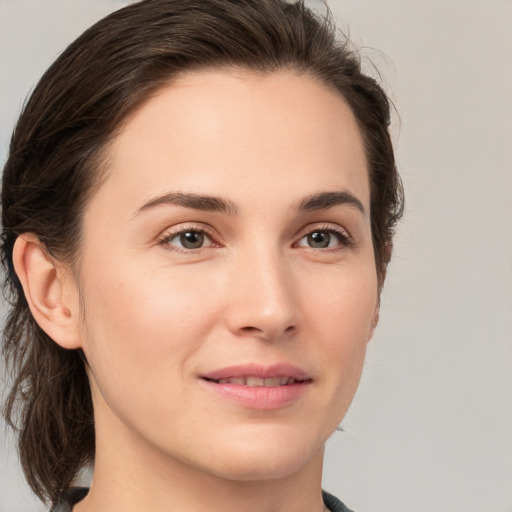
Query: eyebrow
point(325, 200)
point(193, 201)
point(314, 202)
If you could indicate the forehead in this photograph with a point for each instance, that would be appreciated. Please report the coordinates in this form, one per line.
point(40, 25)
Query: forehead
point(222, 132)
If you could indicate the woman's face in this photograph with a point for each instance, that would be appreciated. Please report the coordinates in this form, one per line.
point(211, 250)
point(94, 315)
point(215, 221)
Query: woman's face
point(227, 275)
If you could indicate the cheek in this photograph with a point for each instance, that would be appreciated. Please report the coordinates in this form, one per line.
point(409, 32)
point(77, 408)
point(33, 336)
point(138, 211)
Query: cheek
point(143, 323)
point(143, 334)
point(344, 301)
point(342, 313)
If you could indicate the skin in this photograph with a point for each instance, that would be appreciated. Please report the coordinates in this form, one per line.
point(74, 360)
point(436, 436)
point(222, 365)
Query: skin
point(157, 316)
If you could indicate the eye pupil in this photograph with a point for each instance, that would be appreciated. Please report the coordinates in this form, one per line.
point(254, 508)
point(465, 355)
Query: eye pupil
point(192, 239)
point(319, 239)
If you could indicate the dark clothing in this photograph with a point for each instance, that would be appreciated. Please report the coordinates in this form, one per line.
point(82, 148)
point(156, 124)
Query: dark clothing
point(76, 494)
point(333, 503)
point(70, 498)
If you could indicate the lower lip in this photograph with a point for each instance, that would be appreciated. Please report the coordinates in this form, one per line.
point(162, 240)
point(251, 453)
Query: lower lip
point(259, 397)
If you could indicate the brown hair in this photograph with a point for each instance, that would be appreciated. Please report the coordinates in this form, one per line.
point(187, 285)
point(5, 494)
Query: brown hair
point(55, 164)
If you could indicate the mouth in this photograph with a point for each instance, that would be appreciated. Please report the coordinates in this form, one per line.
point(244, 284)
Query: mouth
point(259, 387)
point(256, 375)
point(254, 381)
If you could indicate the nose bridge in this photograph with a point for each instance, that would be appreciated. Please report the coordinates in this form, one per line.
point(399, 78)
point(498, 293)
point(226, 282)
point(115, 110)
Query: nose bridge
point(264, 301)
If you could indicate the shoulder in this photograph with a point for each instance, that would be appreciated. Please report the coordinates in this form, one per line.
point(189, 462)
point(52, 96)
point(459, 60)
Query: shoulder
point(333, 503)
point(69, 499)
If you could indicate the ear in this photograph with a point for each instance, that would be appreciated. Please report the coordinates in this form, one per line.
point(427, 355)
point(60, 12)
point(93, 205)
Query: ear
point(50, 291)
point(374, 321)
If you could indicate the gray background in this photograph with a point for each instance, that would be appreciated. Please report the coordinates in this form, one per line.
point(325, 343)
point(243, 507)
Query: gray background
point(431, 426)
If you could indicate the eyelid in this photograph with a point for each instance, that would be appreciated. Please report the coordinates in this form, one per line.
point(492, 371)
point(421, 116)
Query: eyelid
point(346, 238)
point(170, 233)
point(174, 231)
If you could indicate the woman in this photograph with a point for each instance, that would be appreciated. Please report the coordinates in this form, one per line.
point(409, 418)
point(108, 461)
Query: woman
point(198, 210)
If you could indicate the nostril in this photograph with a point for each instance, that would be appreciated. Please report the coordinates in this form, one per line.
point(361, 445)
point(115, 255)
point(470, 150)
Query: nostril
point(267, 333)
point(250, 330)
point(290, 329)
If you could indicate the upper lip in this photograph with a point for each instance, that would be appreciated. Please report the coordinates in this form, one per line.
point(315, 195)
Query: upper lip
point(257, 370)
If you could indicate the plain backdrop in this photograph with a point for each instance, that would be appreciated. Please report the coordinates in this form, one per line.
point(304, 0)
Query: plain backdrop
point(431, 425)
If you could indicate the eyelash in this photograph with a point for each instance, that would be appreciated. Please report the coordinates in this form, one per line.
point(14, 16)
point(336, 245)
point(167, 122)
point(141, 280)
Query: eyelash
point(344, 239)
point(168, 237)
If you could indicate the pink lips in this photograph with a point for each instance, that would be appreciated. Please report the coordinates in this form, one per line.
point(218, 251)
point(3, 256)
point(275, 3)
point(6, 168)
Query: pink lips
point(259, 387)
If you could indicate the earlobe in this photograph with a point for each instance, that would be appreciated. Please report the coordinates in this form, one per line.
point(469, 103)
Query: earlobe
point(374, 322)
point(47, 288)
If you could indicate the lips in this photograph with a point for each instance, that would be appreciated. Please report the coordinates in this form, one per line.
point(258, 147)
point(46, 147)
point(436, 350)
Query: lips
point(257, 375)
point(259, 387)
point(253, 381)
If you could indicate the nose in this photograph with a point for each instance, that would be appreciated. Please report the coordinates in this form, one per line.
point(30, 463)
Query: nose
point(263, 300)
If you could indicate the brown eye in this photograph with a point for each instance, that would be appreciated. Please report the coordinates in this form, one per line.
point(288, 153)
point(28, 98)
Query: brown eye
point(188, 239)
point(324, 239)
point(319, 239)
point(191, 239)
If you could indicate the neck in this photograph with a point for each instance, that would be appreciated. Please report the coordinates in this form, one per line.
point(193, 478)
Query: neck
point(131, 475)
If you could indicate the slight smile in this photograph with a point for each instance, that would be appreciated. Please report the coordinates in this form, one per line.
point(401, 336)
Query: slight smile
point(252, 381)
point(259, 387)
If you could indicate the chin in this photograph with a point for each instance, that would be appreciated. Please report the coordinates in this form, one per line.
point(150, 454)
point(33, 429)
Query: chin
point(266, 458)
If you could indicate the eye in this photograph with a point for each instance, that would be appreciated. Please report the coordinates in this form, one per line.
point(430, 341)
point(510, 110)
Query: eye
point(324, 239)
point(188, 239)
